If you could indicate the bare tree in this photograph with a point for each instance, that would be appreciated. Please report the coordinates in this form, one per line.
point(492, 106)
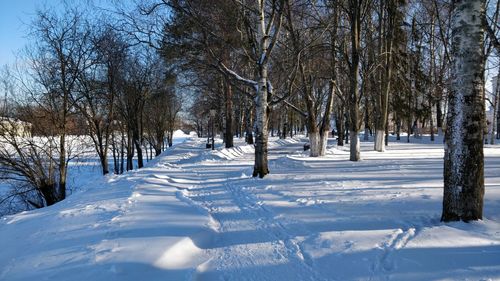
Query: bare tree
point(99, 86)
point(57, 58)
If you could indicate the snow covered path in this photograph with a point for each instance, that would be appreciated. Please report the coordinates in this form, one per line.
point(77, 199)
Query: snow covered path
point(196, 214)
point(331, 219)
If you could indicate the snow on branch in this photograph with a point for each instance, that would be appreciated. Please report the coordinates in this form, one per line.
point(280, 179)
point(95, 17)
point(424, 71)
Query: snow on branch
point(302, 113)
point(237, 77)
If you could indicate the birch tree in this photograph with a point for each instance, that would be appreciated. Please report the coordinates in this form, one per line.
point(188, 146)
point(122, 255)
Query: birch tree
point(464, 158)
point(268, 30)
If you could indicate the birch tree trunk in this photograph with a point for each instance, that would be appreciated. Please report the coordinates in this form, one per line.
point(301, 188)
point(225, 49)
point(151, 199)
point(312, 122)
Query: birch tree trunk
point(491, 130)
point(261, 125)
point(324, 130)
point(432, 86)
point(267, 30)
point(494, 120)
point(464, 159)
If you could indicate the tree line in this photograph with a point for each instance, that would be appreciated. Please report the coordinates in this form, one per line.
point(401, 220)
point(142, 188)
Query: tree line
point(388, 66)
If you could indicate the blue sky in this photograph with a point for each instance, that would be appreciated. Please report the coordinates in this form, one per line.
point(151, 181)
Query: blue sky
point(15, 15)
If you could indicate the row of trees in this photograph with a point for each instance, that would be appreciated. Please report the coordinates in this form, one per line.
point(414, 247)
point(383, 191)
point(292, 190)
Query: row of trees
point(377, 63)
point(82, 76)
point(382, 64)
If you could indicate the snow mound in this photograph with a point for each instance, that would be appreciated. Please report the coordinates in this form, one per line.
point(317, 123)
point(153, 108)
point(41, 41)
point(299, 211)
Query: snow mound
point(181, 134)
point(219, 154)
point(234, 152)
point(282, 142)
point(289, 162)
point(338, 150)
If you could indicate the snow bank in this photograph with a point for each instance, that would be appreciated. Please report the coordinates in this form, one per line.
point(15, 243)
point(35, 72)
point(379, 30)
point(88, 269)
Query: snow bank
point(132, 228)
point(180, 134)
point(233, 152)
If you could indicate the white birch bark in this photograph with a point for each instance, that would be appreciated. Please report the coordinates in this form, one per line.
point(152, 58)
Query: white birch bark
point(261, 134)
point(314, 144)
point(379, 141)
point(263, 86)
point(323, 141)
point(464, 158)
point(496, 91)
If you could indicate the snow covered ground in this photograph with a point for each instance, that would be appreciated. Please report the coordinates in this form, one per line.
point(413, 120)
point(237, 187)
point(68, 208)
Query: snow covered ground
point(197, 214)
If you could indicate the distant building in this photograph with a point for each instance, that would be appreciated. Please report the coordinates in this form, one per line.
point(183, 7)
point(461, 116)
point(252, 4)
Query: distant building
point(15, 127)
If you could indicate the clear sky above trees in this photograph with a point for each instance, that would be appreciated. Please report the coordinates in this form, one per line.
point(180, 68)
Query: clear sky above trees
point(14, 17)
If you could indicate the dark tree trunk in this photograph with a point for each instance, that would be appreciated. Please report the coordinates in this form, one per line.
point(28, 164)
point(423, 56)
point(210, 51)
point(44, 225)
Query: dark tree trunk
point(170, 138)
point(248, 127)
point(398, 128)
point(122, 152)
point(355, 11)
point(49, 193)
point(114, 149)
point(228, 136)
point(104, 164)
point(339, 123)
point(346, 131)
point(130, 152)
point(386, 137)
point(498, 104)
point(439, 117)
point(138, 147)
point(62, 165)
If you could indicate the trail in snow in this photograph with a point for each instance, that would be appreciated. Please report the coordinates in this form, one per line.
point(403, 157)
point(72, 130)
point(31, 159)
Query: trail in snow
point(246, 236)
